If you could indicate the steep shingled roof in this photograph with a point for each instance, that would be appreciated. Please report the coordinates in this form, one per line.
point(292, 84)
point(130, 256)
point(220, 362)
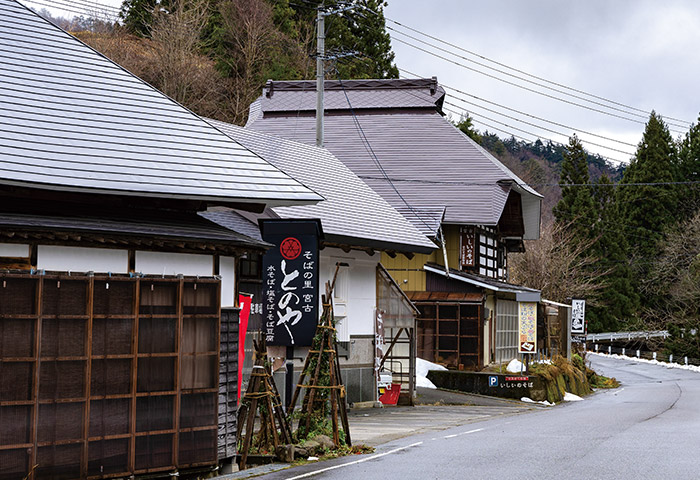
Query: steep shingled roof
point(71, 119)
point(432, 164)
point(352, 214)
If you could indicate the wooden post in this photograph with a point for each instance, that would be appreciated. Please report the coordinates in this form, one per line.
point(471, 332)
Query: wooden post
point(302, 377)
point(134, 372)
point(88, 374)
point(178, 368)
point(35, 379)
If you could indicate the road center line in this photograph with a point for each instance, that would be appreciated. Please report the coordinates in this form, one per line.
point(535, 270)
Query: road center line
point(464, 433)
point(310, 474)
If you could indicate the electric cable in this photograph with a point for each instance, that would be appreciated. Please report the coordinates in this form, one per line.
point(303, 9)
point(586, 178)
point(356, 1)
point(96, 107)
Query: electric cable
point(646, 114)
point(519, 111)
point(74, 7)
point(544, 94)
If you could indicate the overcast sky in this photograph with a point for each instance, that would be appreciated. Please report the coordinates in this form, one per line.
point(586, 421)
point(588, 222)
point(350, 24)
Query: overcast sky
point(640, 53)
point(635, 52)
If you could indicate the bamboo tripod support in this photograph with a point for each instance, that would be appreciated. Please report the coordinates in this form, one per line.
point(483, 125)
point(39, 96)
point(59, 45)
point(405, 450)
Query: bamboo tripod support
point(324, 344)
point(261, 395)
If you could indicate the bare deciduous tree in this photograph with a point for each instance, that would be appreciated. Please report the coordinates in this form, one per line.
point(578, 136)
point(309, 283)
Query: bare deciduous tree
point(250, 36)
point(556, 265)
point(674, 285)
point(179, 69)
point(255, 48)
point(127, 50)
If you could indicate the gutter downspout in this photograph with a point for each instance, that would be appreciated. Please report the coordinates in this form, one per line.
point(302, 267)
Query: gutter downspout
point(444, 252)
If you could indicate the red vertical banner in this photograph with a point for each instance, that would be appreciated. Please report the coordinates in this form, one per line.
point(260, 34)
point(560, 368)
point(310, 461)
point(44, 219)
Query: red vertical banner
point(245, 302)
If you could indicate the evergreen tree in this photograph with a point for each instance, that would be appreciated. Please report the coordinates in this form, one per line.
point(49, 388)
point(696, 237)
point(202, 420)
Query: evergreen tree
point(576, 209)
point(617, 301)
point(689, 171)
point(138, 15)
point(647, 210)
point(360, 29)
point(576, 213)
point(466, 126)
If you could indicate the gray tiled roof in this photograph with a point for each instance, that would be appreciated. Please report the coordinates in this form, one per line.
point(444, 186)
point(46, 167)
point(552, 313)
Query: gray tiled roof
point(184, 227)
point(233, 220)
point(432, 164)
point(352, 212)
point(71, 119)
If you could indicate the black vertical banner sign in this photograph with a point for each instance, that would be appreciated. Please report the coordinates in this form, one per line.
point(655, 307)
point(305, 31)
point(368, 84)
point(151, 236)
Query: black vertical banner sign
point(290, 281)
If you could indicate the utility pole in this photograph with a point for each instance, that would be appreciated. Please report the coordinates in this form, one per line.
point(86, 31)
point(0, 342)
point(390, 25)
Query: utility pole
point(320, 73)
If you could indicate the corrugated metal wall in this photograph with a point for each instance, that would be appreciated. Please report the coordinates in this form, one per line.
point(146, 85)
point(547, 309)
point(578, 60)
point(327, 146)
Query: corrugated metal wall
point(228, 383)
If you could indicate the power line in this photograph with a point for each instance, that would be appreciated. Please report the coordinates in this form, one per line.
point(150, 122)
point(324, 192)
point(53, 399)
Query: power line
point(476, 116)
point(89, 5)
point(35, 2)
point(646, 112)
point(521, 112)
point(479, 117)
point(539, 126)
point(67, 7)
point(544, 94)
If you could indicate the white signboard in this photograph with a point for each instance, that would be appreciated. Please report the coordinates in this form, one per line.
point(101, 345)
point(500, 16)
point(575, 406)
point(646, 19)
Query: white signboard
point(527, 327)
point(578, 316)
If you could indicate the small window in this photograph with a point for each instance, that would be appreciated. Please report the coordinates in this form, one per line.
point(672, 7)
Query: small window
point(251, 266)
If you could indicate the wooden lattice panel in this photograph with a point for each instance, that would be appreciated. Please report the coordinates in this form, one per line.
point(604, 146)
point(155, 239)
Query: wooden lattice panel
point(107, 376)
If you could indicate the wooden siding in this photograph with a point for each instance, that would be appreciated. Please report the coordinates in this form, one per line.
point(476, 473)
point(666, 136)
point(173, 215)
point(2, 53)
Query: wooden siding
point(402, 268)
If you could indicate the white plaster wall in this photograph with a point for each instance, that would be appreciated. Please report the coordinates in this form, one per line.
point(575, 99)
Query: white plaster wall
point(164, 263)
point(14, 250)
point(79, 259)
point(227, 270)
point(359, 286)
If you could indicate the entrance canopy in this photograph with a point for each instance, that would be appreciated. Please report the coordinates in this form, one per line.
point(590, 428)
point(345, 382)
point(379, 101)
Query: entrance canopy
point(522, 294)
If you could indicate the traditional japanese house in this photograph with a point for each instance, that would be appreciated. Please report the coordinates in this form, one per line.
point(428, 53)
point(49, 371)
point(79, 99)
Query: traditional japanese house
point(359, 227)
point(112, 286)
point(394, 136)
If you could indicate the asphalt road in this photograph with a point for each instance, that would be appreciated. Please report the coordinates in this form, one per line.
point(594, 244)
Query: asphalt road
point(647, 429)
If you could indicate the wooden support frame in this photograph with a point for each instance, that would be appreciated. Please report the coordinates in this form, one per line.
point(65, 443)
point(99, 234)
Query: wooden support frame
point(325, 339)
point(261, 395)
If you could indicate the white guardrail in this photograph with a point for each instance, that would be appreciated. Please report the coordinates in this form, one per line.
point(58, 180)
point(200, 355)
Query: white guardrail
point(613, 336)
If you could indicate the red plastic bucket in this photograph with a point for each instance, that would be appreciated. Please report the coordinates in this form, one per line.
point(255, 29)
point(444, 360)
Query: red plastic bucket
point(391, 395)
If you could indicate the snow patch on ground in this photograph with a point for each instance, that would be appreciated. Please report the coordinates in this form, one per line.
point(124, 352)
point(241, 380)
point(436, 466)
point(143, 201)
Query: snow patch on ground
point(422, 369)
point(570, 397)
point(515, 366)
point(692, 368)
point(543, 402)
point(424, 382)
